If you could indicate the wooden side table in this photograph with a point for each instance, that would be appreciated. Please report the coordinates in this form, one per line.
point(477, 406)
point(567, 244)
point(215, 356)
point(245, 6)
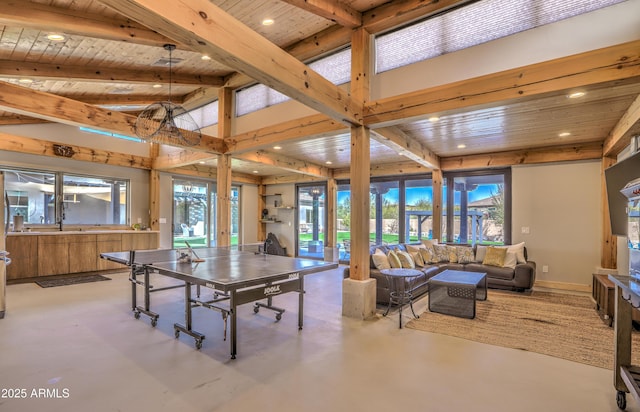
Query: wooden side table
point(603, 295)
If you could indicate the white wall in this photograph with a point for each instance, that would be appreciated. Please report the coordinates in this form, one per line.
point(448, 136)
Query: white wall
point(561, 204)
point(249, 213)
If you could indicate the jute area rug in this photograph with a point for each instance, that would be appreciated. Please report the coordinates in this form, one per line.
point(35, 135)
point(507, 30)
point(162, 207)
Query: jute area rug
point(559, 325)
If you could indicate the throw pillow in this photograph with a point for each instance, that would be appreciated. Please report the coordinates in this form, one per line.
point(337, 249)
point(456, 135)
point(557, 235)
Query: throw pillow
point(510, 260)
point(405, 259)
point(417, 258)
point(453, 254)
point(394, 261)
point(518, 249)
point(380, 260)
point(429, 242)
point(428, 255)
point(415, 248)
point(465, 254)
point(480, 253)
point(441, 253)
point(495, 256)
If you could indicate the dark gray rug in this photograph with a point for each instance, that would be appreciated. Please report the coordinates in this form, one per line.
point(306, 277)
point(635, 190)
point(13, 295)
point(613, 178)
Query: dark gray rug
point(72, 280)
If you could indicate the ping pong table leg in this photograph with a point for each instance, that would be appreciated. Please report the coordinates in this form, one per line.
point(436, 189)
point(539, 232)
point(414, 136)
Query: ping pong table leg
point(177, 328)
point(301, 302)
point(232, 327)
point(146, 309)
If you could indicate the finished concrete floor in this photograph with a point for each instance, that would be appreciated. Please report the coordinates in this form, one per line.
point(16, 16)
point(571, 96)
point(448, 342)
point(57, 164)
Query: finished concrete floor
point(81, 349)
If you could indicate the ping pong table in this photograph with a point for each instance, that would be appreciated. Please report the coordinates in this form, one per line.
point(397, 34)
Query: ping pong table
point(236, 277)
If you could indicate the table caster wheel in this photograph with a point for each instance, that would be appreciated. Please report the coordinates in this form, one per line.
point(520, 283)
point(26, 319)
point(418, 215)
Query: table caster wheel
point(256, 309)
point(136, 315)
point(621, 399)
point(176, 333)
point(278, 316)
point(198, 344)
point(154, 322)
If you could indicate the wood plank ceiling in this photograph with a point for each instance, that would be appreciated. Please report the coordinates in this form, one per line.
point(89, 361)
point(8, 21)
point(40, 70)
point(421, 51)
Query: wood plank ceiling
point(109, 60)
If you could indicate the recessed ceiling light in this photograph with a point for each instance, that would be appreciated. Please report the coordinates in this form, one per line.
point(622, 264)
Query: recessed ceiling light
point(255, 171)
point(575, 95)
point(157, 86)
point(329, 162)
point(462, 146)
point(564, 134)
point(55, 37)
point(277, 147)
point(401, 153)
point(205, 57)
point(201, 163)
point(434, 119)
point(25, 81)
point(267, 22)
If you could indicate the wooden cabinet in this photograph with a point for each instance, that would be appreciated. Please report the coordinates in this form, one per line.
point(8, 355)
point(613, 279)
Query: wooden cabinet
point(83, 254)
point(139, 241)
point(24, 257)
point(108, 243)
point(35, 255)
point(53, 255)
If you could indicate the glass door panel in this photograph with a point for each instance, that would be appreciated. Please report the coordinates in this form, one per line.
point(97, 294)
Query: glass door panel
point(189, 213)
point(418, 210)
point(385, 213)
point(311, 221)
point(478, 209)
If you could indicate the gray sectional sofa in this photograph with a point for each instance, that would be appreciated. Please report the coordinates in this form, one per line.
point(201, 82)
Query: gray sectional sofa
point(520, 278)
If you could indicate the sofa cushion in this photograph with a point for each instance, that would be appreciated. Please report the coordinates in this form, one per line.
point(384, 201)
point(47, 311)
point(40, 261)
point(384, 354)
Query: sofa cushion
point(394, 261)
point(510, 260)
point(405, 259)
point(441, 253)
point(465, 254)
point(494, 272)
point(380, 260)
point(453, 254)
point(495, 256)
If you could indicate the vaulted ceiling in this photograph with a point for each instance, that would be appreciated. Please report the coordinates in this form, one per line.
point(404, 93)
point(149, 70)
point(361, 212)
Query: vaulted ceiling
point(105, 69)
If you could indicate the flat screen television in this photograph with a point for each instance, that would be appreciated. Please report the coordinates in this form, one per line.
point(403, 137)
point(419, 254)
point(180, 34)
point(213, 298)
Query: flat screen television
point(617, 177)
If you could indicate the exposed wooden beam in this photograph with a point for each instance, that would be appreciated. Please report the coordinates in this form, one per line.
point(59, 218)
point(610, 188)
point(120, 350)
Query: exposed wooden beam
point(584, 151)
point(24, 101)
point(46, 18)
point(210, 30)
point(396, 13)
point(180, 158)
point(620, 135)
point(609, 254)
point(285, 163)
point(399, 141)
point(290, 179)
point(385, 169)
point(10, 68)
point(333, 10)
point(314, 126)
point(593, 67)
point(21, 144)
point(15, 119)
point(120, 99)
point(206, 172)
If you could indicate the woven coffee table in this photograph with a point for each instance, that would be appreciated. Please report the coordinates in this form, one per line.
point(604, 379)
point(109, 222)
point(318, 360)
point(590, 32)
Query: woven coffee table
point(454, 292)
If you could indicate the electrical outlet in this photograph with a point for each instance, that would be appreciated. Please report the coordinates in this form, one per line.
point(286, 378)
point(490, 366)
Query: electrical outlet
point(525, 230)
point(545, 269)
point(139, 220)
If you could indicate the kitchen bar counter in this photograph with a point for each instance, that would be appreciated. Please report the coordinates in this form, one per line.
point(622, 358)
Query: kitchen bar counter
point(37, 254)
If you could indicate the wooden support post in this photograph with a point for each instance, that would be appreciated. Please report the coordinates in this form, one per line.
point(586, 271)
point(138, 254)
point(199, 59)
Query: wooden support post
point(223, 178)
point(436, 181)
point(331, 235)
point(262, 204)
point(609, 254)
point(360, 160)
point(154, 200)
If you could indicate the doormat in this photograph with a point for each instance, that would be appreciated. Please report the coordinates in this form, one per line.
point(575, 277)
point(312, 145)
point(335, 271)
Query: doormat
point(72, 280)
